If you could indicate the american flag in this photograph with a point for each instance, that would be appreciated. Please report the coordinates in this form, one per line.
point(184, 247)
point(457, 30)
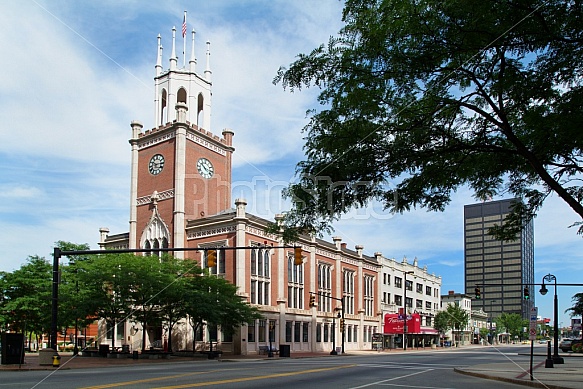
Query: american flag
point(184, 26)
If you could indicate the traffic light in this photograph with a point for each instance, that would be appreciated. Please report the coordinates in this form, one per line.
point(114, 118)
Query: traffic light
point(211, 258)
point(526, 293)
point(312, 301)
point(298, 256)
point(341, 325)
point(477, 291)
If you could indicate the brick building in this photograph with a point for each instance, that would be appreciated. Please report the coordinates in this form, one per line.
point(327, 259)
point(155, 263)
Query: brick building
point(181, 197)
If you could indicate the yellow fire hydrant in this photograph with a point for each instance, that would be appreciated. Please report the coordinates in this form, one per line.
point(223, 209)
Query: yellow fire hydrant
point(56, 360)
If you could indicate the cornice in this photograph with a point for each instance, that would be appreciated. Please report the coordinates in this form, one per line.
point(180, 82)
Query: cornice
point(164, 195)
point(211, 232)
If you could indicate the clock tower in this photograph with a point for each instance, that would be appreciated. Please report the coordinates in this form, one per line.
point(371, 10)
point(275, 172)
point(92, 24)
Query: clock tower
point(179, 170)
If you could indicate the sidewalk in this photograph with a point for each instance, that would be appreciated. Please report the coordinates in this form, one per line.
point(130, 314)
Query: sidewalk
point(567, 376)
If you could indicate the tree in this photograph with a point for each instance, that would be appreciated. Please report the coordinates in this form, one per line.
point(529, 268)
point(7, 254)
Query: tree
point(147, 281)
point(454, 318)
point(27, 297)
point(441, 323)
point(214, 301)
point(106, 280)
point(171, 299)
point(513, 323)
point(577, 308)
point(71, 296)
point(422, 97)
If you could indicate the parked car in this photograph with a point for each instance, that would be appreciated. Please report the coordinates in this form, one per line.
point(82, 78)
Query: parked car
point(565, 344)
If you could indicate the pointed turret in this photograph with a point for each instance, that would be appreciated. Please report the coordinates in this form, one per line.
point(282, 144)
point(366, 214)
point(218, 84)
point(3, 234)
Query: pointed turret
point(207, 71)
point(192, 61)
point(173, 58)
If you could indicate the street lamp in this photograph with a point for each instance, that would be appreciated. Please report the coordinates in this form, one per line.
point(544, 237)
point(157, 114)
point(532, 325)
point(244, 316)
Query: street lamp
point(543, 290)
point(405, 310)
point(334, 352)
point(491, 322)
point(271, 328)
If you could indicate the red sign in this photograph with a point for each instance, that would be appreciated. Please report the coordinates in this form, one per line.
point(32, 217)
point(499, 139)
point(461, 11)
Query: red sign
point(394, 324)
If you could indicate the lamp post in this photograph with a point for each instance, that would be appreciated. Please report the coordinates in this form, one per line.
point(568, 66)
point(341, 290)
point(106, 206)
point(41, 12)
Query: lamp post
point(334, 352)
point(491, 322)
point(271, 328)
point(405, 311)
point(543, 290)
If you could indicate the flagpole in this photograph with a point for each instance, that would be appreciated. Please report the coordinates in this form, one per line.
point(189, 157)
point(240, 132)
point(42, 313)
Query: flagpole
point(184, 40)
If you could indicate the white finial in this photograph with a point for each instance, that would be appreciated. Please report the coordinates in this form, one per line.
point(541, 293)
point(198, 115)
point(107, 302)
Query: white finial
point(173, 58)
point(207, 72)
point(192, 61)
point(159, 55)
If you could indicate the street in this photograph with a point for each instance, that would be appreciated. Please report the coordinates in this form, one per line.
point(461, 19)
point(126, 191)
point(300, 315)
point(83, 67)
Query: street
point(419, 369)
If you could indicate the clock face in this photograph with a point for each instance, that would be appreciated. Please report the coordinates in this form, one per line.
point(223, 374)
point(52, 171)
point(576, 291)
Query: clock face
point(156, 164)
point(205, 168)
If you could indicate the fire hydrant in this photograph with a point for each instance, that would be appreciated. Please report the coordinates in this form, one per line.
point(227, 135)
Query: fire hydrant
point(56, 360)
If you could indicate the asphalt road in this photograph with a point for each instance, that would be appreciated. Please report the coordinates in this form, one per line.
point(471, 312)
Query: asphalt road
point(412, 370)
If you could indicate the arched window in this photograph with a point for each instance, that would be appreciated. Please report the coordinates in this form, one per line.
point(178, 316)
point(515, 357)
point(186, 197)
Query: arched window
point(155, 234)
point(164, 107)
point(199, 112)
point(181, 96)
point(260, 277)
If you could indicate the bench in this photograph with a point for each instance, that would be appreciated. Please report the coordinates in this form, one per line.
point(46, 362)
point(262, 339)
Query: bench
point(264, 350)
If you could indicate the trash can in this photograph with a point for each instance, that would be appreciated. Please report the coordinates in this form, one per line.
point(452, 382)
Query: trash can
point(284, 350)
point(103, 350)
point(125, 348)
point(135, 354)
point(56, 360)
point(12, 348)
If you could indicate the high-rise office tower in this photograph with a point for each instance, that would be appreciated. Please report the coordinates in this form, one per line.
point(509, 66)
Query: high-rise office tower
point(501, 270)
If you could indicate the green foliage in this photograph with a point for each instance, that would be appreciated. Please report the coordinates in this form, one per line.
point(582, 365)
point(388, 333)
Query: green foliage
point(441, 322)
point(513, 323)
point(577, 308)
point(420, 98)
point(26, 297)
point(119, 287)
point(214, 301)
point(454, 317)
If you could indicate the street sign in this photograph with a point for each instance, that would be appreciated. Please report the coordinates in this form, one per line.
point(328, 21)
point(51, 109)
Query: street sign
point(533, 321)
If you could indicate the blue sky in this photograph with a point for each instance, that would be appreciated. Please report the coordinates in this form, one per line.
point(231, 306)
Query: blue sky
point(75, 74)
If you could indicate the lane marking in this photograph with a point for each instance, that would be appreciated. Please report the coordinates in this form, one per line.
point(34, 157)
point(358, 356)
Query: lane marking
point(391, 379)
point(145, 380)
point(244, 379)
